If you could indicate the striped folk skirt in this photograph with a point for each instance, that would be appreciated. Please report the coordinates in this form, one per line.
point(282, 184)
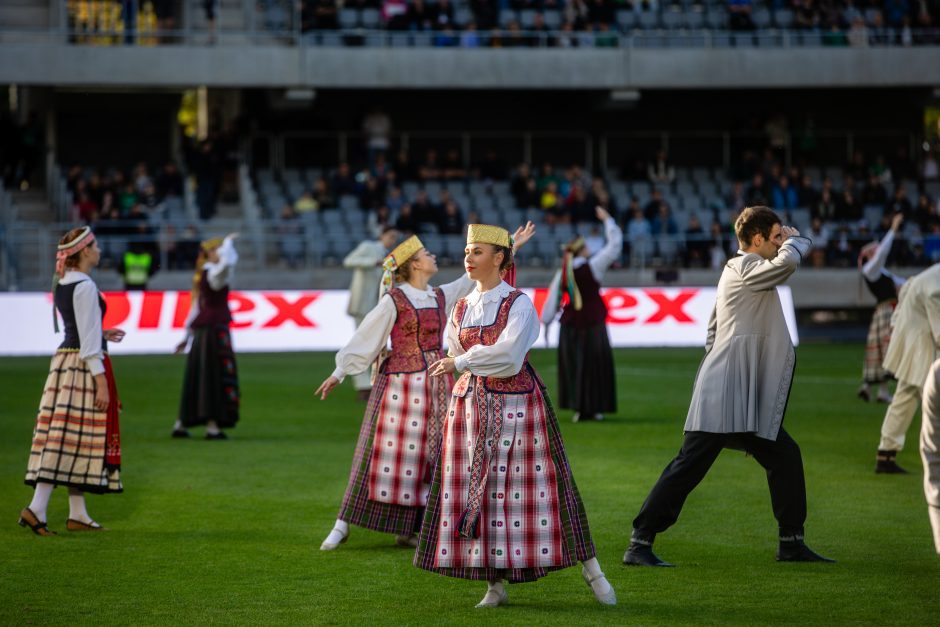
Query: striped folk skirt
point(210, 385)
point(530, 518)
point(879, 335)
point(70, 439)
point(398, 444)
point(586, 378)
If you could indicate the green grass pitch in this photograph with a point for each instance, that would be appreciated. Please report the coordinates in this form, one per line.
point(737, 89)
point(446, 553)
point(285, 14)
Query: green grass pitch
point(228, 532)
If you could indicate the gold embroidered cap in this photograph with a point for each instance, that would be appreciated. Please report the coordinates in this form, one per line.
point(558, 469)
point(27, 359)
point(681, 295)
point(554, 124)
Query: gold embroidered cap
point(488, 234)
point(406, 250)
point(211, 244)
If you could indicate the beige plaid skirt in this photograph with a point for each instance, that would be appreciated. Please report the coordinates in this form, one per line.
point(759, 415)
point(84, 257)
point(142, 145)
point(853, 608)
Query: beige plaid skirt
point(69, 438)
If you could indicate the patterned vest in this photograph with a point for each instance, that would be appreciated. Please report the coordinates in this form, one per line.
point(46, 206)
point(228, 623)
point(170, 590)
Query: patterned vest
point(63, 298)
point(593, 309)
point(416, 332)
point(213, 305)
point(521, 383)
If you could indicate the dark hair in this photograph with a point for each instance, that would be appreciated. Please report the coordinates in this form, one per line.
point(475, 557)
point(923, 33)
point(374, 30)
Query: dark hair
point(507, 256)
point(753, 221)
point(386, 229)
point(72, 260)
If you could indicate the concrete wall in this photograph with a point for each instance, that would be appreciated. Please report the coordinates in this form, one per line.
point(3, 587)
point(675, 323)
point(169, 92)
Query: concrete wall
point(279, 66)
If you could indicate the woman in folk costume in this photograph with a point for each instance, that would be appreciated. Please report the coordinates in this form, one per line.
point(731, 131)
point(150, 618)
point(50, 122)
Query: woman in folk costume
point(586, 378)
point(77, 439)
point(503, 504)
point(400, 436)
point(884, 286)
point(210, 385)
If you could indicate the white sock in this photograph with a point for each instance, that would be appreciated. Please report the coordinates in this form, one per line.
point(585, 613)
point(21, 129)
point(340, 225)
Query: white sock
point(593, 568)
point(77, 509)
point(212, 428)
point(340, 531)
point(40, 502)
point(178, 426)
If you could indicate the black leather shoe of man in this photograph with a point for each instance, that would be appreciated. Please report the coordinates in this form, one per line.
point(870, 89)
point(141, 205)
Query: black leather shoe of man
point(642, 555)
point(799, 552)
point(216, 436)
point(886, 464)
point(179, 433)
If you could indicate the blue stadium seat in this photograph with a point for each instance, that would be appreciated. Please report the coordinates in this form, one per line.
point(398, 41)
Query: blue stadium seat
point(371, 18)
point(783, 18)
point(648, 20)
point(761, 17)
point(348, 18)
point(626, 19)
point(673, 20)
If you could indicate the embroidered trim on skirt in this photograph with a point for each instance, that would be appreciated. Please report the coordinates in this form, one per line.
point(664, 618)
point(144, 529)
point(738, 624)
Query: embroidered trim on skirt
point(387, 513)
point(879, 336)
point(70, 436)
point(210, 385)
point(586, 377)
point(562, 530)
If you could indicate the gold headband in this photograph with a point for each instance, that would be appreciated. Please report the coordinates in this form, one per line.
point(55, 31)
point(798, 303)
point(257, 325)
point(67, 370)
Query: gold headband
point(210, 244)
point(487, 234)
point(406, 250)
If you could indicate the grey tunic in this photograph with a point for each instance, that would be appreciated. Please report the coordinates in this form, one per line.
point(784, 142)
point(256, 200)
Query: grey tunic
point(744, 380)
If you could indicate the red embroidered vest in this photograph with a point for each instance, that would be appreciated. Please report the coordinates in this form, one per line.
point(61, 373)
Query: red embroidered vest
point(521, 383)
point(416, 331)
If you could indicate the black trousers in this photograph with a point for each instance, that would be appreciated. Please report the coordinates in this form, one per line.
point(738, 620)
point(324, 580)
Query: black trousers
point(781, 459)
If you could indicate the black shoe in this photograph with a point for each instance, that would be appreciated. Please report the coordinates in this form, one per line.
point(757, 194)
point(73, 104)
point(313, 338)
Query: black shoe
point(216, 436)
point(642, 555)
point(864, 394)
point(886, 464)
point(799, 552)
point(179, 433)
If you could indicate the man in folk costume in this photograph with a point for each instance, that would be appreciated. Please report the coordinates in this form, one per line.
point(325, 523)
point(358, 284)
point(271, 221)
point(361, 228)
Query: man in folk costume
point(77, 438)
point(401, 431)
point(586, 377)
point(741, 391)
point(211, 394)
point(366, 263)
point(915, 342)
point(930, 448)
point(884, 286)
point(503, 504)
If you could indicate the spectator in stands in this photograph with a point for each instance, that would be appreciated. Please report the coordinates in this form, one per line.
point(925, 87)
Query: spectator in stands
point(492, 168)
point(453, 168)
point(343, 183)
point(326, 14)
point(150, 202)
point(576, 204)
point(758, 192)
point(379, 220)
point(206, 166)
point(552, 205)
point(377, 127)
point(419, 16)
point(660, 172)
point(520, 183)
point(443, 14)
point(127, 198)
point(423, 209)
point(901, 166)
point(306, 203)
point(834, 36)
point(166, 18)
point(141, 177)
point(511, 37)
point(717, 248)
point(169, 182)
point(290, 240)
point(639, 235)
point(322, 194)
point(407, 223)
point(470, 38)
point(805, 15)
point(899, 203)
point(530, 198)
point(925, 214)
point(783, 195)
point(546, 176)
point(856, 167)
point(819, 233)
point(84, 209)
point(665, 232)
point(826, 209)
point(451, 222)
point(877, 33)
point(394, 199)
point(930, 169)
point(404, 169)
point(430, 170)
point(880, 169)
point(395, 14)
point(485, 13)
point(577, 13)
point(185, 250)
point(651, 210)
point(601, 13)
point(850, 205)
point(739, 15)
point(874, 192)
point(371, 194)
point(736, 200)
point(696, 244)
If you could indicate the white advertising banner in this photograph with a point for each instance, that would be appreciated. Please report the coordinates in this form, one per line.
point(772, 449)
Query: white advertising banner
point(273, 321)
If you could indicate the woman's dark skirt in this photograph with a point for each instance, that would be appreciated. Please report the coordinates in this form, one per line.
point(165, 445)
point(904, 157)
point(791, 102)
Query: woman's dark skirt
point(210, 385)
point(586, 378)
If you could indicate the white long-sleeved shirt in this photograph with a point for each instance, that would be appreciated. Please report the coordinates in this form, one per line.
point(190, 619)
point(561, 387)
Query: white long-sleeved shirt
point(87, 318)
point(219, 273)
point(505, 357)
point(372, 335)
point(599, 262)
point(875, 267)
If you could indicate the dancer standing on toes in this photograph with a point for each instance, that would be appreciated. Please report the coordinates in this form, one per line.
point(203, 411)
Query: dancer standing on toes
point(210, 385)
point(884, 286)
point(77, 439)
point(401, 431)
point(586, 378)
point(741, 392)
point(503, 504)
